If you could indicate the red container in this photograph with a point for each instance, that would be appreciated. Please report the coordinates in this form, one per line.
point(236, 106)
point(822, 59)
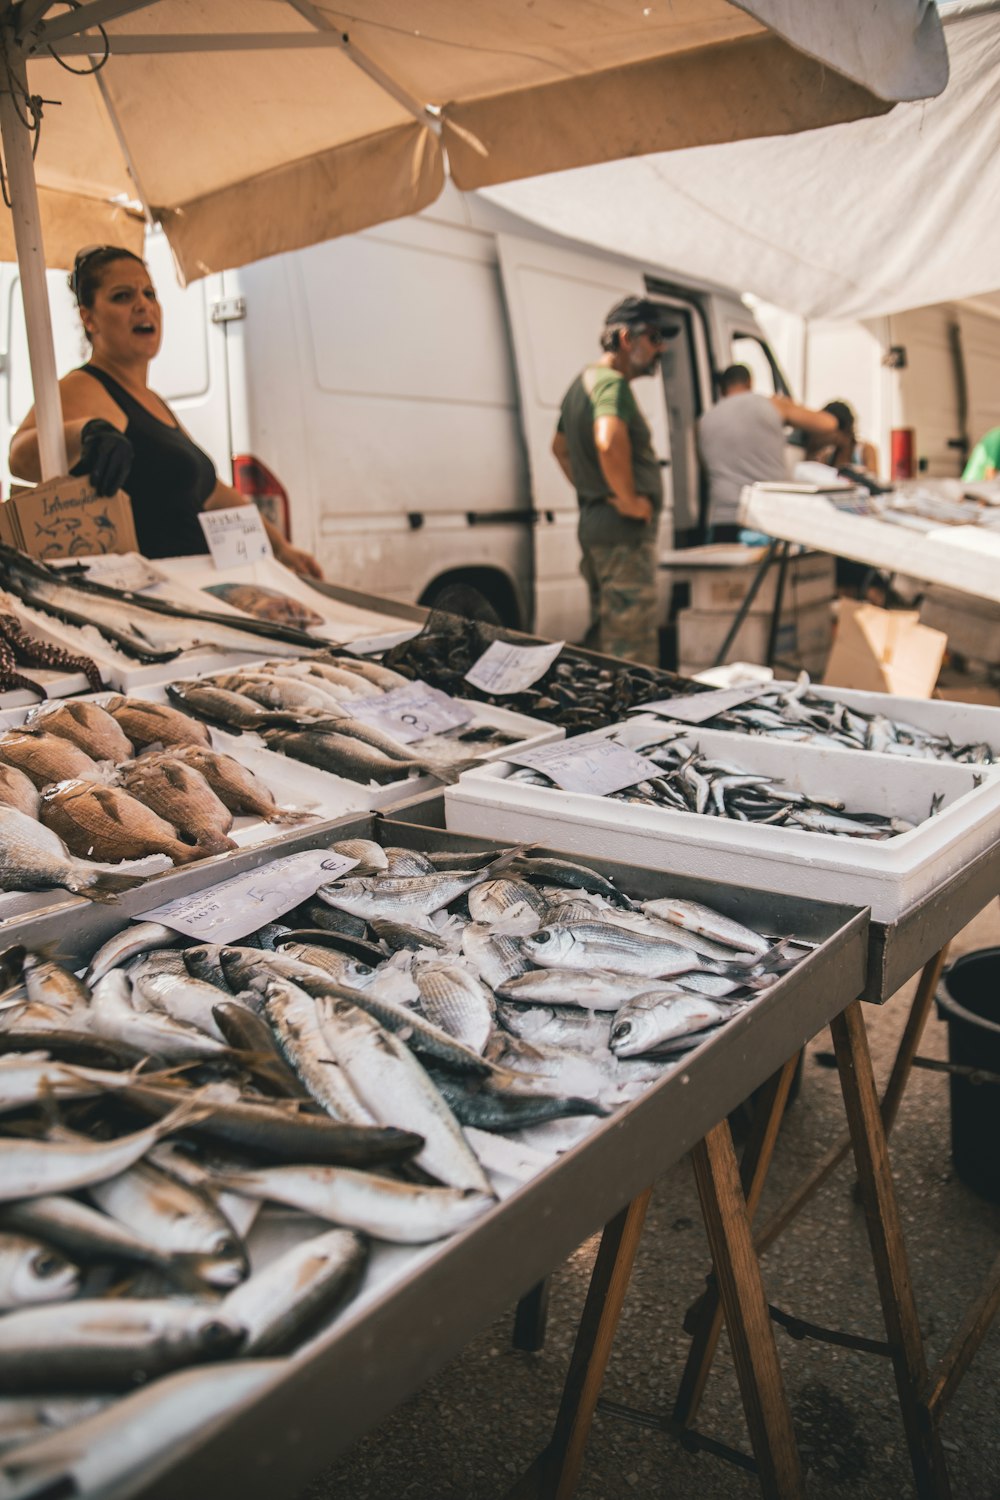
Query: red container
point(903, 446)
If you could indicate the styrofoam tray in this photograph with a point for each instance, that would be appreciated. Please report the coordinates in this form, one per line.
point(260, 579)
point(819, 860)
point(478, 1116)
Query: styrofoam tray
point(889, 876)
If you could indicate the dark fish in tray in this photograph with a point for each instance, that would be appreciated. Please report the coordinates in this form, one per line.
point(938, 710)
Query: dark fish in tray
point(487, 1109)
point(323, 937)
point(316, 913)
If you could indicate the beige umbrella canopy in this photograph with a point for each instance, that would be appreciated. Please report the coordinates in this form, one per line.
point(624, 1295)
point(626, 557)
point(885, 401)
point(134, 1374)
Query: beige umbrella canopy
point(249, 127)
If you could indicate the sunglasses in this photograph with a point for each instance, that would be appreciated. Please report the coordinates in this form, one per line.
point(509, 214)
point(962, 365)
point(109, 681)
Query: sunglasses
point(81, 258)
point(655, 335)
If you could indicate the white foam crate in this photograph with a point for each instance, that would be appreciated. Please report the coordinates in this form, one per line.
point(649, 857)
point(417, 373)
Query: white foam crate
point(890, 876)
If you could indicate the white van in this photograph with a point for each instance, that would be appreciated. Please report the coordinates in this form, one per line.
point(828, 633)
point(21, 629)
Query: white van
point(391, 397)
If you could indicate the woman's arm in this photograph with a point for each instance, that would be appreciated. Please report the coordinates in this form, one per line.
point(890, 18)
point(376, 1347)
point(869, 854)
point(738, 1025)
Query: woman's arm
point(82, 399)
point(295, 558)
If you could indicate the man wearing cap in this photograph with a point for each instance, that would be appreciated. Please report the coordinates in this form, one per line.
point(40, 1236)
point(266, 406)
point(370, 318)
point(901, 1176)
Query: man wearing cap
point(603, 446)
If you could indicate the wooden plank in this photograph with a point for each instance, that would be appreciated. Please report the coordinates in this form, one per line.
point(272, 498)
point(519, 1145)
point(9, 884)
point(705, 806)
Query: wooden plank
point(910, 1040)
point(956, 1359)
point(885, 1234)
point(748, 1321)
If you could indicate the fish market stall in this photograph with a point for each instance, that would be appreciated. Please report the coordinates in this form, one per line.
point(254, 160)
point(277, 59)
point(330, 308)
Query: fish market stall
point(548, 1187)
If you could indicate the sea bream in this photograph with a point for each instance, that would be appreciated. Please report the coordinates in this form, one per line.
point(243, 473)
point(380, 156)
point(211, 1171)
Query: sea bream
point(34, 858)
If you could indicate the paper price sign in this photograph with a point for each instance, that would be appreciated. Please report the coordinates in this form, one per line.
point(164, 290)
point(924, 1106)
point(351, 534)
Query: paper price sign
point(128, 571)
point(697, 708)
point(412, 712)
point(222, 913)
point(504, 668)
point(589, 763)
point(235, 536)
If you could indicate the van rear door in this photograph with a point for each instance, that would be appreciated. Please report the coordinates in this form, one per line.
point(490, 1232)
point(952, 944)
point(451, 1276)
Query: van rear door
point(557, 300)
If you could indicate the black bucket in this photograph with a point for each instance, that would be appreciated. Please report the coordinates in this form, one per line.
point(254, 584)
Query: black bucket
point(969, 1000)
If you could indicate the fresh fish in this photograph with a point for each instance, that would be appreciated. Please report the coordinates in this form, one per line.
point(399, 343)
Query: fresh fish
point(250, 1034)
point(18, 791)
point(45, 758)
point(271, 1130)
point(415, 1029)
point(78, 1230)
point(196, 1171)
point(341, 967)
point(604, 945)
point(709, 923)
point(203, 961)
point(236, 786)
point(220, 706)
point(409, 896)
point(34, 1169)
point(647, 1021)
point(50, 983)
point(600, 989)
point(560, 1026)
point(499, 900)
point(140, 937)
point(304, 1045)
point(483, 1108)
point(456, 1000)
point(29, 1419)
point(148, 723)
point(402, 1212)
point(398, 1091)
point(279, 1305)
point(371, 857)
point(179, 1220)
point(86, 725)
point(32, 1078)
point(31, 1272)
point(266, 604)
point(547, 870)
point(405, 862)
point(398, 936)
point(497, 957)
point(342, 755)
point(106, 821)
point(109, 1343)
point(33, 858)
point(180, 794)
point(371, 671)
point(114, 1016)
point(188, 1001)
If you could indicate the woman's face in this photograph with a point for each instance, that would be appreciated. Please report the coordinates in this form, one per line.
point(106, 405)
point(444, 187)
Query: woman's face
point(125, 322)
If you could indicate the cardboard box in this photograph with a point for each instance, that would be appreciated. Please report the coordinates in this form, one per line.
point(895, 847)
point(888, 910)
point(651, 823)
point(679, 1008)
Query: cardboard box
point(65, 518)
point(884, 651)
point(803, 637)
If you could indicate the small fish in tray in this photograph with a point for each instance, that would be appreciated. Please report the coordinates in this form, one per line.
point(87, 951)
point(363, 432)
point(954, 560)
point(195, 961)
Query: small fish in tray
point(800, 716)
point(367, 1092)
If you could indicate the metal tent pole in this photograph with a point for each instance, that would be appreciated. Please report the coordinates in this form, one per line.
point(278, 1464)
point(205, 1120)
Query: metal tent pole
point(20, 171)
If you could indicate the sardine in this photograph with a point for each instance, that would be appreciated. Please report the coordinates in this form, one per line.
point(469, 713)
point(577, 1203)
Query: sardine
point(109, 1343)
point(33, 858)
point(31, 1272)
point(250, 1034)
point(277, 1306)
point(402, 1212)
point(78, 1230)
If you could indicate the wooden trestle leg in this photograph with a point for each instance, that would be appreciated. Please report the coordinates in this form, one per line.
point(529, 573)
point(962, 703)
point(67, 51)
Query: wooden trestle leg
point(871, 1156)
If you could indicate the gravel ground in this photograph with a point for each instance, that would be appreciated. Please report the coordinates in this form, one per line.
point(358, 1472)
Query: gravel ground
point(473, 1430)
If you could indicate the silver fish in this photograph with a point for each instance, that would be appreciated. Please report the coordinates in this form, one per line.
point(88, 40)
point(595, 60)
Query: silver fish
point(496, 900)
point(398, 1091)
point(371, 857)
point(605, 945)
point(403, 1212)
point(456, 1000)
point(113, 1015)
point(408, 897)
point(33, 858)
point(278, 1305)
point(109, 1343)
point(649, 1020)
point(497, 956)
point(138, 938)
point(78, 1230)
point(293, 1016)
point(31, 1272)
point(695, 917)
point(186, 1000)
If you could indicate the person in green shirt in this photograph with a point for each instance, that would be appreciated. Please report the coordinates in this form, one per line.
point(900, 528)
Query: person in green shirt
point(984, 460)
point(603, 446)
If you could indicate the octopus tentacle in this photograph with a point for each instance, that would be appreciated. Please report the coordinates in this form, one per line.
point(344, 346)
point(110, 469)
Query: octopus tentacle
point(38, 653)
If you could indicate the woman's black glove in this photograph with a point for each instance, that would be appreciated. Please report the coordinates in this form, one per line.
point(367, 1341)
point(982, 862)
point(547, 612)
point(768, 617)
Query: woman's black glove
point(105, 454)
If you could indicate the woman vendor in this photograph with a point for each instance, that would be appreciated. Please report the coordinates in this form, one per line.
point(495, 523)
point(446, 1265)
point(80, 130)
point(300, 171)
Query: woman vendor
point(121, 433)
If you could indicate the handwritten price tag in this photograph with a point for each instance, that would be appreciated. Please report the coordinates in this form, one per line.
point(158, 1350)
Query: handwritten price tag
point(412, 712)
point(128, 571)
point(235, 536)
point(504, 668)
point(589, 763)
point(230, 910)
point(697, 708)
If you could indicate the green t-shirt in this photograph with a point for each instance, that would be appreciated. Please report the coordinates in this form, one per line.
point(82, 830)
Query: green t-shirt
point(602, 392)
point(985, 455)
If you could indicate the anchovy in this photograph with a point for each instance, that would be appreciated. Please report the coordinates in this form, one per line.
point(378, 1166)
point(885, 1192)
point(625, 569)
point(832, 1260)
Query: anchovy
point(131, 941)
point(31, 1272)
point(281, 1303)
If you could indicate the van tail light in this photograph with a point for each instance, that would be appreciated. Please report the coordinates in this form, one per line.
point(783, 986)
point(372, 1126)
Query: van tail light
point(255, 480)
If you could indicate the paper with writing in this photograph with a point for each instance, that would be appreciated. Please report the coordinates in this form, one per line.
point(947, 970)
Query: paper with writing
point(128, 570)
point(506, 668)
point(233, 908)
point(697, 708)
point(412, 712)
point(235, 535)
point(589, 763)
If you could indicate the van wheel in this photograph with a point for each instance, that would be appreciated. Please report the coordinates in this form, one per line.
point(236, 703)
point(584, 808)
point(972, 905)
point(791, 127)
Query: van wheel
point(461, 599)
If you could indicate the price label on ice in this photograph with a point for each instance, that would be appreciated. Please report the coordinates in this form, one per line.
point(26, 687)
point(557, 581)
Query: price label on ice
point(504, 668)
point(698, 708)
point(222, 913)
point(128, 571)
point(235, 536)
point(412, 712)
point(589, 763)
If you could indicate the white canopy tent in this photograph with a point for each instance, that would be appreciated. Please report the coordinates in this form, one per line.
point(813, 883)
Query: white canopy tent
point(866, 218)
point(247, 127)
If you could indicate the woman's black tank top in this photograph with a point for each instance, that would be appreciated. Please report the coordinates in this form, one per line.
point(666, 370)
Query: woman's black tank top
point(170, 480)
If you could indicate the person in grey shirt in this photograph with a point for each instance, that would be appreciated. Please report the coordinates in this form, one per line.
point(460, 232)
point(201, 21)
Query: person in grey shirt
point(742, 441)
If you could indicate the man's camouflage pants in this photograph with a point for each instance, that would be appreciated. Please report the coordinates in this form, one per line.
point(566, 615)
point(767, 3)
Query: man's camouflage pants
point(622, 584)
